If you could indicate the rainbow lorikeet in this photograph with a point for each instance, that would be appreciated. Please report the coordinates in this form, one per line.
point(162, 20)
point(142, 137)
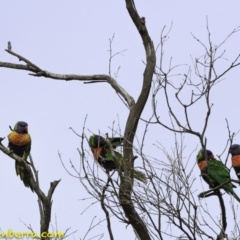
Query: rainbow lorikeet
point(235, 152)
point(102, 154)
point(217, 173)
point(20, 144)
point(201, 161)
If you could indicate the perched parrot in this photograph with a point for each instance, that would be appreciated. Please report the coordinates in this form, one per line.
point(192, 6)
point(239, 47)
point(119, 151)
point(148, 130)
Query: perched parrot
point(235, 152)
point(217, 174)
point(202, 163)
point(102, 154)
point(20, 144)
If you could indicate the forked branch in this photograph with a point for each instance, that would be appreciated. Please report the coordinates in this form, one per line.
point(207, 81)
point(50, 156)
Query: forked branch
point(38, 72)
point(44, 201)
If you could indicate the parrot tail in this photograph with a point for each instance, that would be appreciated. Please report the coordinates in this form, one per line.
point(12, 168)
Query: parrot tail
point(140, 176)
point(235, 196)
point(24, 175)
point(27, 182)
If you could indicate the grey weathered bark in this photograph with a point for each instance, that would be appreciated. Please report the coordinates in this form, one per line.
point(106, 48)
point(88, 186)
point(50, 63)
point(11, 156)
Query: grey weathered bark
point(44, 201)
point(132, 123)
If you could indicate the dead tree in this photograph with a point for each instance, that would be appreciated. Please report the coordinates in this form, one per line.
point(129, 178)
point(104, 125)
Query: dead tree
point(169, 194)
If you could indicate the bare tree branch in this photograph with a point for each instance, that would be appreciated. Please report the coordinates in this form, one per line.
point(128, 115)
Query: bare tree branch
point(38, 72)
point(44, 202)
point(132, 123)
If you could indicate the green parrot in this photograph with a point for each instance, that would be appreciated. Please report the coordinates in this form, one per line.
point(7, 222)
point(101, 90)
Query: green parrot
point(110, 161)
point(217, 174)
point(20, 144)
point(202, 163)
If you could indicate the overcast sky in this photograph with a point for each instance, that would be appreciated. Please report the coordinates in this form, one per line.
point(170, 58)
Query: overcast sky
point(72, 37)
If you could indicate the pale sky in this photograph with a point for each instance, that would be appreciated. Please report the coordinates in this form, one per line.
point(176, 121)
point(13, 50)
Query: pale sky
point(72, 37)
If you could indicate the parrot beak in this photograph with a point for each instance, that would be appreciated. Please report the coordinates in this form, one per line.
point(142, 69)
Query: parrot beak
point(26, 128)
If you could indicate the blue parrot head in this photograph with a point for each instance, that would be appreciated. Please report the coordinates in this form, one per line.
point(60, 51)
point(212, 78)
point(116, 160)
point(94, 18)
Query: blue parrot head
point(235, 149)
point(201, 155)
point(21, 127)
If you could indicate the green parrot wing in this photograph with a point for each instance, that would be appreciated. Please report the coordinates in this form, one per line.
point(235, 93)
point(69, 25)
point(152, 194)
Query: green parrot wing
point(117, 155)
point(118, 160)
point(28, 148)
point(116, 142)
point(217, 172)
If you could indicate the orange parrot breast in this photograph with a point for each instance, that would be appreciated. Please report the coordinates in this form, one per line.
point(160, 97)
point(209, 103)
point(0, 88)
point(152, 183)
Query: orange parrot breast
point(19, 139)
point(202, 165)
